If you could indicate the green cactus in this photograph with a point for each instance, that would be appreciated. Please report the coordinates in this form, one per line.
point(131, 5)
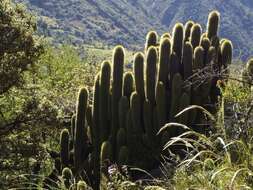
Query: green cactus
point(106, 154)
point(123, 157)
point(80, 145)
point(178, 37)
point(72, 131)
point(211, 54)
point(164, 60)
point(136, 110)
point(187, 30)
point(198, 62)
point(64, 141)
point(82, 185)
point(160, 104)
point(123, 109)
point(148, 121)
point(196, 31)
point(151, 39)
point(187, 60)
point(67, 177)
point(184, 103)
point(121, 138)
point(139, 75)
point(226, 53)
point(96, 133)
point(151, 72)
point(104, 101)
point(203, 35)
point(128, 84)
point(117, 89)
point(213, 24)
point(166, 35)
point(175, 66)
point(205, 43)
point(177, 84)
point(89, 121)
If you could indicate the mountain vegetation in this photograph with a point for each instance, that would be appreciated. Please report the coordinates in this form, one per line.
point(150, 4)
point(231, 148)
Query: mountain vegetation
point(171, 109)
point(113, 22)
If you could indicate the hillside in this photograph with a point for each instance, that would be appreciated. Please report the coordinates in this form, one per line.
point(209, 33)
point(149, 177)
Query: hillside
point(126, 22)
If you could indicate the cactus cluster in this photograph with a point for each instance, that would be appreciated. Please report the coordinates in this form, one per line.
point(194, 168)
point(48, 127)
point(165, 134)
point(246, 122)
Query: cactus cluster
point(128, 109)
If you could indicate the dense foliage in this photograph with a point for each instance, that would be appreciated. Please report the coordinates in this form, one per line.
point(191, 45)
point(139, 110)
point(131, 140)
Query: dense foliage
point(19, 47)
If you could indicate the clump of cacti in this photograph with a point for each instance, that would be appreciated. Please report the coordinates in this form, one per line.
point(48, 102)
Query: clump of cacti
point(129, 108)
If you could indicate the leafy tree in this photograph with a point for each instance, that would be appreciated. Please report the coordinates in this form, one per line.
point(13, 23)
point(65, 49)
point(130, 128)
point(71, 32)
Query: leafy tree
point(20, 48)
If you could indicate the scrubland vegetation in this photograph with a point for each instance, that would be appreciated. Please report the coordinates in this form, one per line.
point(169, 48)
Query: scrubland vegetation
point(178, 115)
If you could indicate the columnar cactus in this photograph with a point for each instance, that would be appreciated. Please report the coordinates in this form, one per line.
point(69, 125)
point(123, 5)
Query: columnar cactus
point(128, 110)
point(148, 121)
point(139, 75)
point(128, 84)
point(123, 110)
point(198, 58)
point(104, 101)
point(213, 24)
point(151, 39)
point(106, 154)
point(196, 31)
point(205, 43)
point(96, 133)
point(176, 89)
point(187, 60)
point(117, 89)
point(72, 131)
point(164, 60)
point(184, 103)
point(123, 157)
point(166, 35)
point(151, 74)
point(82, 185)
point(67, 177)
point(64, 141)
point(80, 146)
point(178, 37)
point(136, 114)
point(187, 30)
point(160, 104)
point(226, 53)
